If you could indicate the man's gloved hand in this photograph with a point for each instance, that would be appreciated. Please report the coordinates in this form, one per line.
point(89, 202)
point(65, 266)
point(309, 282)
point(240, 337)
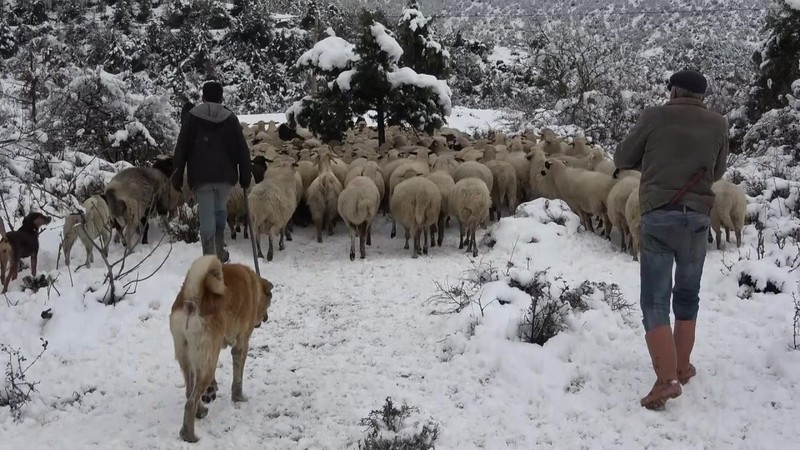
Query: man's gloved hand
point(245, 184)
point(177, 183)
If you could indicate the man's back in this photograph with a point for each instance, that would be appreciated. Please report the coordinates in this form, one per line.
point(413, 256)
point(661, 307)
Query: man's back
point(671, 143)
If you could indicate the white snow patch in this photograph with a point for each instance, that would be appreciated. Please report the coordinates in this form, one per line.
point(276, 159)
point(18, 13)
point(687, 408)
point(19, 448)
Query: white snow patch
point(329, 54)
point(387, 43)
point(407, 75)
point(344, 79)
point(794, 4)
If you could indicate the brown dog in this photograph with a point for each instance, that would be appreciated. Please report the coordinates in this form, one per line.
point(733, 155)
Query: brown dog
point(22, 243)
point(218, 306)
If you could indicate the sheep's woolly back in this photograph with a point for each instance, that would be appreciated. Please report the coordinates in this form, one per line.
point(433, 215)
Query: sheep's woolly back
point(359, 201)
point(204, 275)
point(273, 201)
point(416, 202)
point(444, 182)
point(470, 201)
point(323, 195)
point(402, 173)
point(135, 190)
point(588, 191)
point(504, 186)
point(473, 169)
point(371, 170)
point(522, 168)
point(730, 205)
point(618, 198)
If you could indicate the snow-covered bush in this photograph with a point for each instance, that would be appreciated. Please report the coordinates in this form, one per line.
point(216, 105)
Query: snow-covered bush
point(185, 226)
point(398, 428)
point(96, 113)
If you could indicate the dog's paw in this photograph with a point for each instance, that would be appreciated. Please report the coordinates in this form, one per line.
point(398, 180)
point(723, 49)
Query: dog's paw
point(188, 437)
point(208, 398)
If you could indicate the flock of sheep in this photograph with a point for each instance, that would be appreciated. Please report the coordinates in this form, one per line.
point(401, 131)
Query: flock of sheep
point(420, 181)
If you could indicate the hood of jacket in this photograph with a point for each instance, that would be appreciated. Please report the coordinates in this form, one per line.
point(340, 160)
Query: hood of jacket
point(212, 112)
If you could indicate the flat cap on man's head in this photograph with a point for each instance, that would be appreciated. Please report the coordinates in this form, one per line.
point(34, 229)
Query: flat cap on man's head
point(691, 80)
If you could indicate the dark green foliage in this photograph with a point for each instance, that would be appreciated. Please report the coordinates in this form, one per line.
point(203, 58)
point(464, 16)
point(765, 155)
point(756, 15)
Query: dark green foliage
point(145, 11)
point(123, 16)
point(421, 52)
point(31, 12)
point(8, 43)
point(777, 60)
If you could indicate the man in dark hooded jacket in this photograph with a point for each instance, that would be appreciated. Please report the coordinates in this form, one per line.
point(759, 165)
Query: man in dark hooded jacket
point(212, 147)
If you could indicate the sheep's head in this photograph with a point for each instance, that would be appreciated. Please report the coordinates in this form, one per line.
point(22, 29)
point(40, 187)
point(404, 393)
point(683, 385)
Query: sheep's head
point(549, 135)
point(164, 164)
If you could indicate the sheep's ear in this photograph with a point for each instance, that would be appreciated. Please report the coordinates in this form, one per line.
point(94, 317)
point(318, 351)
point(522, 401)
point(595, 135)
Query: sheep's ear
point(529, 156)
point(294, 164)
point(268, 160)
point(459, 159)
point(616, 173)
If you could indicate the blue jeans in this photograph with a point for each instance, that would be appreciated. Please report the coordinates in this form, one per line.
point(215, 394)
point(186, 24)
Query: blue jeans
point(212, 202)
point(668, 236)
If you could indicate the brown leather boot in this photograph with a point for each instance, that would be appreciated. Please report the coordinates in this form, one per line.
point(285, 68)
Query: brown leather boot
point(661, 345)
point(684, 342)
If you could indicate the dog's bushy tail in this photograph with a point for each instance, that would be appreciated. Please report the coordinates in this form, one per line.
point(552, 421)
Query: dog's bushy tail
point(204, 276)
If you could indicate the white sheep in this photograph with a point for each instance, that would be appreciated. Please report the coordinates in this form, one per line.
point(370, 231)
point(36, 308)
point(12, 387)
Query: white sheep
point(402, 173)
point(522, 166)
point(444, 182)
point(551, 144)
point(416, 204)
point(94, 222)
point(358, 203)
point(272, 203)
point(237, 210)
point(584, 191)
point(617, 198)
point(323, 196)
point(470, 202)
point(633, 216)
point(371, 170)
point(540, 185)
point(729, 211)
point(578, 147)
point(600, 163)
point(474, 169)
point(504, 184)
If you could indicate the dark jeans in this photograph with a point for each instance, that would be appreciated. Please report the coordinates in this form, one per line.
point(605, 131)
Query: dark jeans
point(668, 236)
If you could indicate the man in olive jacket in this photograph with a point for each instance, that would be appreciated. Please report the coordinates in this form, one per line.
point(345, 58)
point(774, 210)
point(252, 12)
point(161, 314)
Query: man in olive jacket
point(212, 147)
point(681, 149)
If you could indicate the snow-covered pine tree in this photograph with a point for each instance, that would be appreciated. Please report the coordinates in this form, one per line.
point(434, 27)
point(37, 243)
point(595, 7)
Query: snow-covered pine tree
point(123, 16)
point(145, 11)
point(31, 12)
point(777, 60)
point(364, 78)
point(420, 51)
point(8, 43)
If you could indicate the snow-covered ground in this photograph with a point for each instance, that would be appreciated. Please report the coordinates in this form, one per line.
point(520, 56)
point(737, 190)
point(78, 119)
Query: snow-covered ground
point(344, 335)
point(466, 119)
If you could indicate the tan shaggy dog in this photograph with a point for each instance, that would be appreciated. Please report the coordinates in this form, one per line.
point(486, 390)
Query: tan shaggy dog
point(218, 306)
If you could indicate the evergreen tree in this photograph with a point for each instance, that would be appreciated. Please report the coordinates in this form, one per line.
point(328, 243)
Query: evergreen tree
point(777, 60)
point(71, 10)
point(8, 43)
point(122, 16)
point(31, 12)
point(366, 77)
point(145, 11)
point(421, 52)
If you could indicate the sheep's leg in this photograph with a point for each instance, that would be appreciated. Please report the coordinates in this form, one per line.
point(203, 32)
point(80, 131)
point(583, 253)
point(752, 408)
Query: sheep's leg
point(715, 225)
point(738, 238)
point(623, 237)
point(145, 229)
point(369, 234)
point(331, 224)
point(394, 229)
point(232, 225)
point(245, 227)
point(352, 229)
point(408, 235)
point(362, 239)
point(727, 235)
point(318, 224)
point(281, 245)
point(257, 237)
point(607, 226)
point(425, 245)
point(432, 232)
point(440, 237)
point(474, 242)
point(460, 235)
point(270, 252)
point(416, 250)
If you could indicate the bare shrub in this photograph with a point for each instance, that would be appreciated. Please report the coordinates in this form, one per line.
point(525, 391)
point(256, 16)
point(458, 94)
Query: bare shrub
point(388, 430)
point(18, 389)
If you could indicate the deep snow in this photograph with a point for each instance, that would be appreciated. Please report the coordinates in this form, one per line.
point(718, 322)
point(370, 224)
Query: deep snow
point(344, 335)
